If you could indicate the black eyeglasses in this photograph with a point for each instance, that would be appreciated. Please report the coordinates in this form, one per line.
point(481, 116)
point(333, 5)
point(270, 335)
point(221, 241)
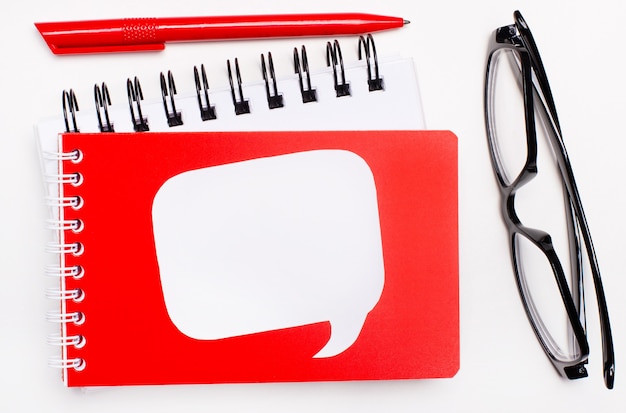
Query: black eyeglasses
point(525, 137)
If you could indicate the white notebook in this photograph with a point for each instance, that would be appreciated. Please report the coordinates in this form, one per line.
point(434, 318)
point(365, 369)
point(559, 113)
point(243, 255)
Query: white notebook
point(396, 106)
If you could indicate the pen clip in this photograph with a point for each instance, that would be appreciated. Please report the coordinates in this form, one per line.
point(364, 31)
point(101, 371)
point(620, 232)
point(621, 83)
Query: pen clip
point(150, 47)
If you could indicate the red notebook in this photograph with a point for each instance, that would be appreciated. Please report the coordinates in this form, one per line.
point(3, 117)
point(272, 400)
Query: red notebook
point(230, 257)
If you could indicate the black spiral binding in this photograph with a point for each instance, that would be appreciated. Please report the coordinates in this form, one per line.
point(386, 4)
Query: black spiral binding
point(242, 106)
point(103, 101)
point(207, 112)
point(135, 96)
point(376, 82)
point(334, 58)
point(70, 104)
point(308, 93)
point(174, 118)
point(275, 99)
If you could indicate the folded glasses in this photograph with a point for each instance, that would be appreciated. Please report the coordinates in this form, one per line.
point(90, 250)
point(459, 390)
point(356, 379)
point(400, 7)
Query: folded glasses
point(548, 257)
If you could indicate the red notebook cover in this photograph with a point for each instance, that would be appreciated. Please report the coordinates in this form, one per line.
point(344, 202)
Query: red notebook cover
point(231, 257)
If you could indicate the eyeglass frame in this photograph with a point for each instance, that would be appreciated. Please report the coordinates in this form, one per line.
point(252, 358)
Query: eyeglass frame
point(519, 38)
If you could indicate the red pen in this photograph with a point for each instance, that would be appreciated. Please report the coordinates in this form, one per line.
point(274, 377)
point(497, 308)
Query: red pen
point(145, 34)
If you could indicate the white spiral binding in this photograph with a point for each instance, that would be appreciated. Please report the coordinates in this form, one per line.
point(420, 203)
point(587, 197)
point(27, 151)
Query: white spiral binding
point(58, 203)
point(75, 225)
point(76, 317)
point(75, 156)
point(77, 341)
point(75, 271)
point(77, 295)
point(75, 248)
point(77, 364)
point(75, 179)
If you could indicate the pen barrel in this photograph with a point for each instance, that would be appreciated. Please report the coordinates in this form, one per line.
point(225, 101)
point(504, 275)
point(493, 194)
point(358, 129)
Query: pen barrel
point(152, 33)
point(263, 26)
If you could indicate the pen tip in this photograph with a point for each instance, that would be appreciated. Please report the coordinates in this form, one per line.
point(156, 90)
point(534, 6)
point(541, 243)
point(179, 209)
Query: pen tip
point(406, 22)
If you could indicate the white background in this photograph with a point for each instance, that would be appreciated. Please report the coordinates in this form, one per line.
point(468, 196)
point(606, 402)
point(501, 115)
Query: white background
point(502, 366)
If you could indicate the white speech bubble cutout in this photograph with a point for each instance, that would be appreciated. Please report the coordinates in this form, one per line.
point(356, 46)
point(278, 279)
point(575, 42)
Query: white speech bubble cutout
point(271, 243)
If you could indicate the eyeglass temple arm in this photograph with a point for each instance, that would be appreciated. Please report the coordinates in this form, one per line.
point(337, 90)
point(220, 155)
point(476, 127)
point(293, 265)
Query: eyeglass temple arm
point(572, 189)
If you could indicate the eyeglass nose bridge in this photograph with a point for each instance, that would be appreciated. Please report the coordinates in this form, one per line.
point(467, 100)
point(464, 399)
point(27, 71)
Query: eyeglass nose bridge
point(509, 191)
